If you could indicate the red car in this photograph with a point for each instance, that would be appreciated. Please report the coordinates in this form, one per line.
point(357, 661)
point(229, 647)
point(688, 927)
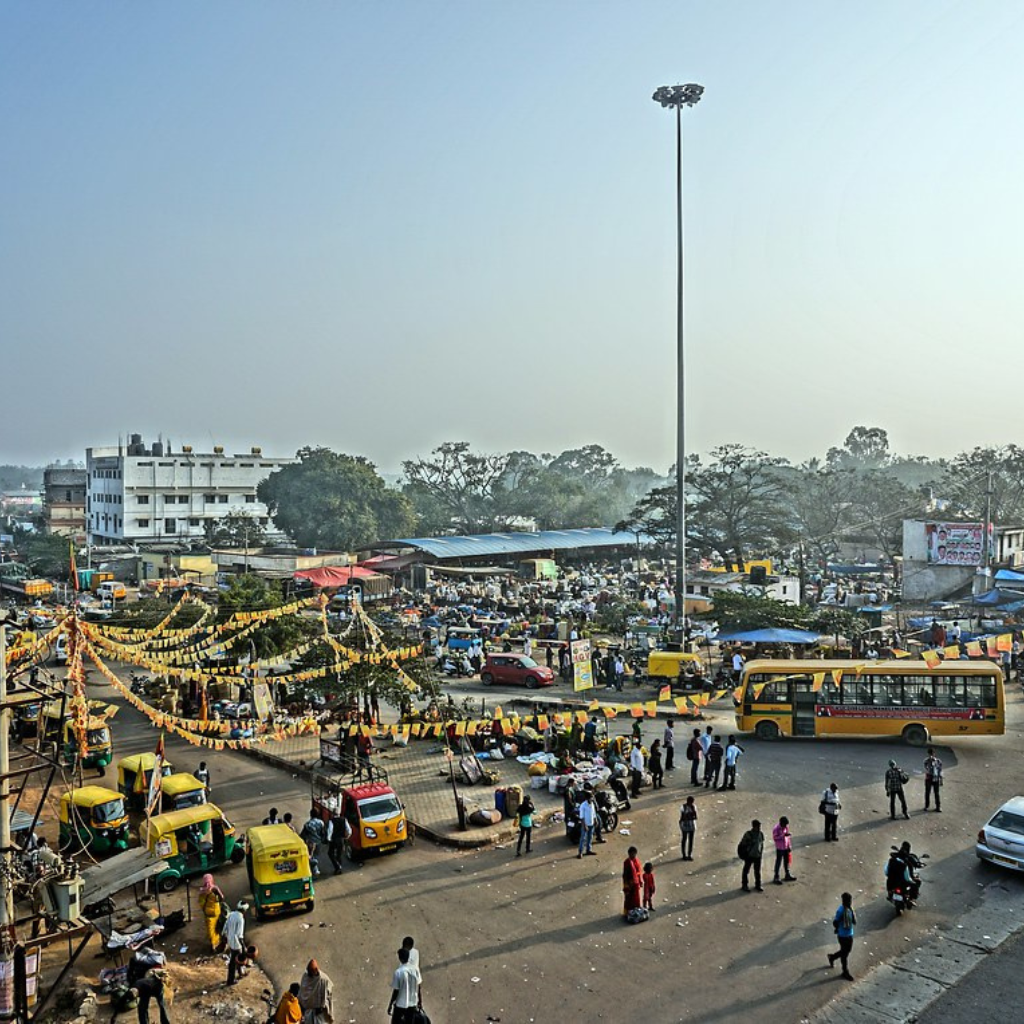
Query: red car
point(515, 670)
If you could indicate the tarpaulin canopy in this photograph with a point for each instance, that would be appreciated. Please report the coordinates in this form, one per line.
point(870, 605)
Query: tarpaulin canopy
point(1009, 576)
point(770, 636)
point(333, 575)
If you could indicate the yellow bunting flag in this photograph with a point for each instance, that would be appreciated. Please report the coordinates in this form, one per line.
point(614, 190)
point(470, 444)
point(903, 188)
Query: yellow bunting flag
point(581, 717)
point(953, 651)
point(899, 653)
point(637, 711)
point(974, 648)
point(542, 722)
point(681, 705)
point(1004, 642)
point(652, 708)
point(498, 712)
point(818, 683)
point(460, 728)
point(758, 687)
point(609, 712)
point(719, 694)
point(931, 658)
point(506, 727)
point(837, 676)
point(990, 646)
point(593, 705)
point(665, 693)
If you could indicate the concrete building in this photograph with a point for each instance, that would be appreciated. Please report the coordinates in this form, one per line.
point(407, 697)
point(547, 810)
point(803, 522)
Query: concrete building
point(64, 490)
point(137, 494)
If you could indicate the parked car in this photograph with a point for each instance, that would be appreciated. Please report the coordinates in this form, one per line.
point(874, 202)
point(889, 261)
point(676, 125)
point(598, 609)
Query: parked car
point(1001, 841)
point(515, 670)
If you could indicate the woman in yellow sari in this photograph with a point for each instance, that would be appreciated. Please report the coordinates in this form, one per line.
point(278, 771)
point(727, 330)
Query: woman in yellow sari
point(210, 901)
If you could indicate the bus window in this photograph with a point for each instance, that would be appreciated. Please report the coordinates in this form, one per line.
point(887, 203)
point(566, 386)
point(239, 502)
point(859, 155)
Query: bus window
point(830, 693)
point(981, 693)
point(776, 692)
point(945, 692)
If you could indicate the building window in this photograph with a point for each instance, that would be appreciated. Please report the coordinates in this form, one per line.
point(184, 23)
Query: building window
point(247, 465)
point(169, 499)
point(170, 525)
point(210, 499)
point(182, 499)
point(250, 499)
point(142, 499)
point(143, 463)
point(207, 465)
point(222, 499)
point(165, 463)
point(143, 524)
point(194, 522)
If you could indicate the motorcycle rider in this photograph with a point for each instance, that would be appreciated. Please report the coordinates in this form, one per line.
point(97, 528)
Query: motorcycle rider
point(899, 875)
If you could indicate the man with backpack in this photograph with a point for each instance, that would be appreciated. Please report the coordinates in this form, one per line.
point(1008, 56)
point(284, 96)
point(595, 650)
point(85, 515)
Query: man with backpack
point(313, 834)
point(750, 851)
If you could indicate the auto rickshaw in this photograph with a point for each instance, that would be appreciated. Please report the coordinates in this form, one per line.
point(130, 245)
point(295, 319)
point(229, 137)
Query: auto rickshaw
point(93, 818)
point(681, 669)
point(181, 791)
point(193, 841)
point(279, 872)
point(57, 726)
point(372, 809)
point(134, 775)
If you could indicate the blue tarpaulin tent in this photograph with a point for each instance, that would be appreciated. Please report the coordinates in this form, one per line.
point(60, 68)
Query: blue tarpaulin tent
point(770, 636)
point(1009, 576)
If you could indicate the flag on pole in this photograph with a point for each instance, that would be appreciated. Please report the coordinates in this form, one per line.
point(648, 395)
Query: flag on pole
point(153, 797)
point(74, 565)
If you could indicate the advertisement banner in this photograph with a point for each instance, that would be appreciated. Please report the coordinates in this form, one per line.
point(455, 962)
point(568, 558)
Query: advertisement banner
point(955, 543)
point(582, 668)
point(262, 701)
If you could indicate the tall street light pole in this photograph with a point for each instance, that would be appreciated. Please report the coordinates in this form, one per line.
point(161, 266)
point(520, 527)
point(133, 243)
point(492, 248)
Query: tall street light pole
point(677, 97)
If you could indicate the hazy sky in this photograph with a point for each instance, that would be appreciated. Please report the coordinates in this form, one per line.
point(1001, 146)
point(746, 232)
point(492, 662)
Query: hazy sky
point(377, 227)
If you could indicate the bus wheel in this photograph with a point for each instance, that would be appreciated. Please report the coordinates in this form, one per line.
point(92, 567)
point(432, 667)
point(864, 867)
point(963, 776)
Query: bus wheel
point(915, 735)
point(766, 731)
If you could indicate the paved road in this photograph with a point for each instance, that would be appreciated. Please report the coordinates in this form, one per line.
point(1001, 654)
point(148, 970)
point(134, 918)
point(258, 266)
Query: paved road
point(541, 938)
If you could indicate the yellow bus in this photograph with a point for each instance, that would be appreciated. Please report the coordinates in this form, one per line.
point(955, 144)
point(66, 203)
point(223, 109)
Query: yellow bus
point(871, 698)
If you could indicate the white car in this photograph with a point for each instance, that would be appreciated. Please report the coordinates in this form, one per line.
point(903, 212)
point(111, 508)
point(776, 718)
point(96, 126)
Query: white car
point(60, 650)
point(1001, 841)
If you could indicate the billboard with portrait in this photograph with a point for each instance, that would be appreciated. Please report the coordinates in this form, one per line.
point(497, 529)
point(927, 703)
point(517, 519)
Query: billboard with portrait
point(955, 543)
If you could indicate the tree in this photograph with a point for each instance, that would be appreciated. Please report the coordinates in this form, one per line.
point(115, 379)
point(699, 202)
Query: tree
point(250, 593)
point(654, 515)
point(736, 505)
point(454, 488)
point(736, 610)
point(334, 501)
point(864, 447)
point(45, 554)
point(967, 484)
point(235, 530)
point(821, 502)
point(880, 504)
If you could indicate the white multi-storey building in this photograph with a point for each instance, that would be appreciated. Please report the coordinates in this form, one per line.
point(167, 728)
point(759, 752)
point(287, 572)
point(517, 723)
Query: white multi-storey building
point(137, 493)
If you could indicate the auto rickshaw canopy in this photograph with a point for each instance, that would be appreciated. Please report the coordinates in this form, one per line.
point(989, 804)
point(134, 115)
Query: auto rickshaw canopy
point(162, 825)
point(88, 797)
point(277, 854)
point(139, 766)
point(179, 783)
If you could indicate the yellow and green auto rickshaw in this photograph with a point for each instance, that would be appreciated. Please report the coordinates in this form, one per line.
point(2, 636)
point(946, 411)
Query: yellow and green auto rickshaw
point(278, 865)
point(192, 841)
point(134, 774)
point(57, 727)
point(180, 791)
point(93, 818)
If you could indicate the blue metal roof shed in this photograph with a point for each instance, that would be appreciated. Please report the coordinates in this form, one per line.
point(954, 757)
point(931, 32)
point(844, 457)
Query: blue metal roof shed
point(490, 544)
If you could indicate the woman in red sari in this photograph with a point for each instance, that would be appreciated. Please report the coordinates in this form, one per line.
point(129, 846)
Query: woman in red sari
point(632, 881)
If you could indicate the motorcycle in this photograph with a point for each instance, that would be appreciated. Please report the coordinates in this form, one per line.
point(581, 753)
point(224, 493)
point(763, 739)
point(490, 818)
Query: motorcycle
point(605, 804)
point(903, 895)
point(139, 683)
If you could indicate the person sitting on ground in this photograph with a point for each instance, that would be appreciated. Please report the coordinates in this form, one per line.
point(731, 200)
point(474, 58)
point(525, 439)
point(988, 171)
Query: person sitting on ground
point(288, 1010)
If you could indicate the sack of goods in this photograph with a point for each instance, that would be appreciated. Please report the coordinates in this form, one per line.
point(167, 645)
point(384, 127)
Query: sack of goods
point(637, 914)
point(537, 768)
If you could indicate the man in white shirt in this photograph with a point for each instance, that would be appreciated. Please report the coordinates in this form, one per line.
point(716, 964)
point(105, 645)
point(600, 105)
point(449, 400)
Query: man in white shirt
point(737, 666)
point(234, 936)
point(527, 645)
point(588, 815)
point(732, 753)
point(414, 954)
point(636, 768)
point(406, 991)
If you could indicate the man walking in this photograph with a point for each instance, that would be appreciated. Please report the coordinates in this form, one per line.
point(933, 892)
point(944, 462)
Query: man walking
point(234, 937)
point(705, 745)
point(148, 987)
point(316, 995)
point(830, 808)
point(687, 827)
point(587, 815)
point(932, 779)
point(313, 834)
point(694, 754)
point(713, 766)
point(668, 741)
point(843, 924)
point(783, 850)
point(732, 753)
point(636, 769)
point(895, 779)
point(406, 991)
point(338, 831)
point(751, 849)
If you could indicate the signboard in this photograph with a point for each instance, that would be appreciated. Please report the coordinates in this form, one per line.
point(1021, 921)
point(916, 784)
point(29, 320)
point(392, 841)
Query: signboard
point(262, 700)
point(582, 667)
point(955, 543)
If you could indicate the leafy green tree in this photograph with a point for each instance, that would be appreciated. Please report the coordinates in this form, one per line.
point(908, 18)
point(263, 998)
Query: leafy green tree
point(654, 515)
point(44, 554)
point(736, 610)
point(454, 489)
point(967, 484)
point(235, 530)
point(249, 593)
point(336, 502)
point(736, 505)
point(864, 448)
point(821, 503)
point(880, 504)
